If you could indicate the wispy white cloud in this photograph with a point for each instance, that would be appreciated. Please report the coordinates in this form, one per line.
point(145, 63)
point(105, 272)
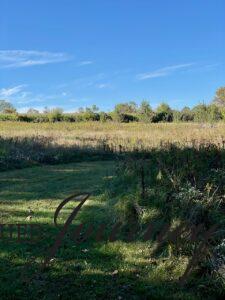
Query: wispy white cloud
point(7, 92)
point(85, 62)
point(24, 58)
point(20, 95)
point(163, 71)
point(23, 98)
point(205, 67)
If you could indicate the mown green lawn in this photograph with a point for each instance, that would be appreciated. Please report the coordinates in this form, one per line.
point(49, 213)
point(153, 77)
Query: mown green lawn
point(90, 270)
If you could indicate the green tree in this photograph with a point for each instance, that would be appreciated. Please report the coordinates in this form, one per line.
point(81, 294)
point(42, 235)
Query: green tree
point(164, 113)
point(145, 108)
point(214, 113)
point(126, 108)
point(132, 107)
point(207, 113)
point(104, 117)
point(200, 113)
point(176, 115)
point(146, 113)
point(220, 97)
point(90, 114)
point(163, 107)
point(55, 114)
point(125, 112)
point(186, 114)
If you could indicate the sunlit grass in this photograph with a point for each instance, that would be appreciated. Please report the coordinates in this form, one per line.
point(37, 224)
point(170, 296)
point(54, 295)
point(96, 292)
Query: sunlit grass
point(130, 136)
point(90, 269)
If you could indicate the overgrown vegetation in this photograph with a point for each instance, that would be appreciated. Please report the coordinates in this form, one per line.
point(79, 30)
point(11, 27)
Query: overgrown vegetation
point(28, 144)
point(182, 189)
point(137, 190)
point(123, 112)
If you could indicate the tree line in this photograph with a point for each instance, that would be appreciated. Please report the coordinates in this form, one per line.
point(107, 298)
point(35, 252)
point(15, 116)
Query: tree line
point(123, 112)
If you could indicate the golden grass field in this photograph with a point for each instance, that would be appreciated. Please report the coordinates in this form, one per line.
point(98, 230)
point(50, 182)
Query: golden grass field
point(128, 135)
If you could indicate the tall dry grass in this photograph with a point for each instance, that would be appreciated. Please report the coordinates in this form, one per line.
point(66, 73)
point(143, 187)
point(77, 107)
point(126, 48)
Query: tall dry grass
point(129, 136)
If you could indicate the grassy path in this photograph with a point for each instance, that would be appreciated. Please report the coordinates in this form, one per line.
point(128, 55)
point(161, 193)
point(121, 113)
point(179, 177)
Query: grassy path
point(87, 271)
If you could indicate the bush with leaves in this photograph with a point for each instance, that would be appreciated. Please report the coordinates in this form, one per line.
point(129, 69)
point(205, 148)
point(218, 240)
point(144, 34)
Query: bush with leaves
point(164, 113)
point(179, 187)
point(103, 117)
point(55, 114)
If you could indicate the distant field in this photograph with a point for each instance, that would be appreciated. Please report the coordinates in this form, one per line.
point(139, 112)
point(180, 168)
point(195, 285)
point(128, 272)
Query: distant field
point(26, 144)
point(129, 136)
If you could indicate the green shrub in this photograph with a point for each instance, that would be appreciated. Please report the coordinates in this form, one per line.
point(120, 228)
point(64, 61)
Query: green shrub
point(162, 117)
point(55, 115)
point(89, 116)
point(9, 117)
point(69, 117)
point(124, 117)
point(103, 117)
point(163, 113)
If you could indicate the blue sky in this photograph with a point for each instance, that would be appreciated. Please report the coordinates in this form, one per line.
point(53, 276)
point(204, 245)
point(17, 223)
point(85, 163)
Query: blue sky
point(75, 53)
